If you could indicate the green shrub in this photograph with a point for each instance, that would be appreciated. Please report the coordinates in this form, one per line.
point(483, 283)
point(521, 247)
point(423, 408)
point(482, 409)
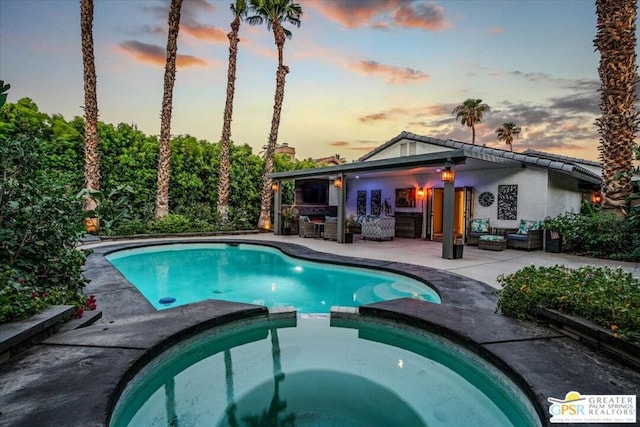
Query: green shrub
point(607, 297)
point(172, 223)
point(129, 228)
point(40, 225)
point(598, 234)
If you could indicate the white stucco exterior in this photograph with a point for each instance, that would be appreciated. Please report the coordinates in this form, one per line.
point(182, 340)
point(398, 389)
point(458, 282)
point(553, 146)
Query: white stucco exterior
point(541, 192)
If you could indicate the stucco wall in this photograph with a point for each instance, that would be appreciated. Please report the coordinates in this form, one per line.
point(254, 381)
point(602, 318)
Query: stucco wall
point(540, 193)
point(564, 195)
point(532, 191)
point(532, 195)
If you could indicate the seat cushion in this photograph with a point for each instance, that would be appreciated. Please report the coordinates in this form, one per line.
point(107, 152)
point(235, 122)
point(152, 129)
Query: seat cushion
point(491, 238)
point(521, 237)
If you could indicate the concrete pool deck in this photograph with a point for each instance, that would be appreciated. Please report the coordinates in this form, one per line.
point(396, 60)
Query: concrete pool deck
point(72, 378)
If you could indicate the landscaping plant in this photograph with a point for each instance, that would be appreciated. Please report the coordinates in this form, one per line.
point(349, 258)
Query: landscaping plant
point(40, 226)
point(605, 296)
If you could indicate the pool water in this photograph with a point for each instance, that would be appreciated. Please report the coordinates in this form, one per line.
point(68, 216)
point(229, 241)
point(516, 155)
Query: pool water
point(310, 372)
point(258, 275)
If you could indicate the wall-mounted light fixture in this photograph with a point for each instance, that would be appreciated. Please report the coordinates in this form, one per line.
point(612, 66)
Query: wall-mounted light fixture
point(337, 182)
point(274, 186)
point(420, 193)
point(447, 174)
point(596, 198)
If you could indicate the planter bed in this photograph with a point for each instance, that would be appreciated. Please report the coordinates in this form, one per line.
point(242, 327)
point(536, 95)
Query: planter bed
point(592, 335)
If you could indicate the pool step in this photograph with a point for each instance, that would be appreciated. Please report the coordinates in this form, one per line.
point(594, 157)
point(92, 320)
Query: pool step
point(365, 295)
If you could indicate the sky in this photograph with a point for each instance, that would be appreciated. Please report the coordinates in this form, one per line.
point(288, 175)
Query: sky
point(361, 71)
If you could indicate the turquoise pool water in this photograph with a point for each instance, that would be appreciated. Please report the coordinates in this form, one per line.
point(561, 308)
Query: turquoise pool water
point(256, 274)
point(310, 372)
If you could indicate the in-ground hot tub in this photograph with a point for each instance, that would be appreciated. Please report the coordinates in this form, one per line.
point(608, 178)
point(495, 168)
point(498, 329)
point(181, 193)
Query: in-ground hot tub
point(308, 372)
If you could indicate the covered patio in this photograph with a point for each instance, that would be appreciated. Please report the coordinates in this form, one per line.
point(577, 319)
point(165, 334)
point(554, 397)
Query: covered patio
point(422, 172)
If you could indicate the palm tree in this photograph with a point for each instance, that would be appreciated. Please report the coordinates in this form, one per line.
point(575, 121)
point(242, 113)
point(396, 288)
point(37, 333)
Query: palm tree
point(239, 9)
point(618, 124)
point(274, 13)
point(3, 92)
point(507, 133)
point(91, 152)
point(164, 152)
point(471, 112)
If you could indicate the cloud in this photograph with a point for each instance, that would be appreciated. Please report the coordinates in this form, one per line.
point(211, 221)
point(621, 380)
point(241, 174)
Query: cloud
point(394, 75)
point(204, 32)
point(496, 30)
point(352, 14)
point(374, 117)
point(382, 13)
point(192, 27)
point(189, 24)
point(157, 55)
point(426, 16)
point(339, 143)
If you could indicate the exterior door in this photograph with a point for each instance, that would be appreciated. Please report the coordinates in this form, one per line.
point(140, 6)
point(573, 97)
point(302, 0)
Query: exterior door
point(461, 212)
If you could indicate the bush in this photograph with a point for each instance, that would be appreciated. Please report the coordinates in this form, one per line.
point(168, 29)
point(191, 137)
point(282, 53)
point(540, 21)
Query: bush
point(598, 234)
point(129, 228)
point(172, 223)
point(40, 225)
point(607, 297)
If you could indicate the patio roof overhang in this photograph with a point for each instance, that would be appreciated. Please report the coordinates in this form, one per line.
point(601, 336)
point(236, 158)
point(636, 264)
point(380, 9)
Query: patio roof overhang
point(409, 165)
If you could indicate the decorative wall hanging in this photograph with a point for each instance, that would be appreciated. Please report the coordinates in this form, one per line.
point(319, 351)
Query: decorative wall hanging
point(405, 197)
point(361, 203)
point(486, 199)
point(376, 202)
point(387, 207)
point(507, 202)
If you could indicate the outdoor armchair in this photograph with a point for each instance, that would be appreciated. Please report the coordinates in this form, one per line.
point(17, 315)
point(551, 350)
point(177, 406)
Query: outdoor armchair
point(528, 236)
point(478, 227)
point(305, 227)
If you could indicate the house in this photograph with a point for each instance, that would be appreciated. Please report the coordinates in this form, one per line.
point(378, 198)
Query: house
point(434, 187)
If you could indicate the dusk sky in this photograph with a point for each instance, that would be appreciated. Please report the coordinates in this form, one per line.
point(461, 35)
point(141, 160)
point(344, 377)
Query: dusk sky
point(361, 71)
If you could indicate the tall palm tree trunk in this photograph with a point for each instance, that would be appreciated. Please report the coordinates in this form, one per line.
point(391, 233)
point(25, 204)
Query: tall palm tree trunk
point(164, 151)
point(223, 180)
point(264, 221)
point(618, 124)
point(91, 151)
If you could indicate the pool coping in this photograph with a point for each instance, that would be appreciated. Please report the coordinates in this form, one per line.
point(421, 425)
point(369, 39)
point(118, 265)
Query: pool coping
point(74, 378)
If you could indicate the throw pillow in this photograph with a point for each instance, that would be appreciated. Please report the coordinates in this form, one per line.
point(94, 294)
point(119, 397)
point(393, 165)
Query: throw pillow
point(480, 225)
point(527, 225)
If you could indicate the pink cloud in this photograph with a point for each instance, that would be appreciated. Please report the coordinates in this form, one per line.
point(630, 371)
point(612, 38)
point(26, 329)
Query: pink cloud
point(374, 117)
point(351, 14)
point(394, 75)
point(496, 30)
point(361, 13)
point(204, 32)
point(339, 143)
point(156, 55)
point(426, 16)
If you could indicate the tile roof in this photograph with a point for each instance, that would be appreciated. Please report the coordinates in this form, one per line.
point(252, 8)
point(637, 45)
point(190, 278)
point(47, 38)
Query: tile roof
point(531, 157)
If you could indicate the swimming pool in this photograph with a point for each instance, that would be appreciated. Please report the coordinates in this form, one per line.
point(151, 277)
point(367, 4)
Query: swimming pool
point(249, 273)
point(346, 373)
